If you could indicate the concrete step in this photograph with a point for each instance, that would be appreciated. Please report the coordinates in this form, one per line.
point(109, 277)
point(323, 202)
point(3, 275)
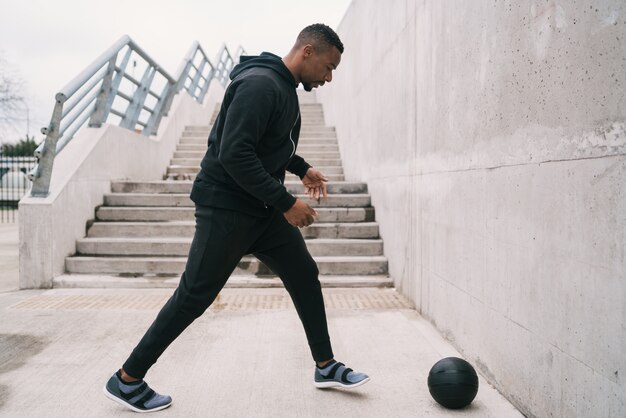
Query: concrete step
point(333, 187)
point(307, 115)
point(329, 140)
point(317, 148)
point(305, 153)
point(179, 246)
point(332, 128)
point(175, 199)
point(192, 147)
point(202, 144)
point(186, 162)
point(312, 120)
point(360, 230)
point(165, 214)
point(314, 132)
point(309, 126)
point(207, 128)
point(318, 155)
point(200, 152)
point(324, 162)
point(184, 186)
point(304, 110)
point(331, 177)
point(315, 136)
point(353, 266)
point(198, 128)
point(189, 154)
point(315, 139)
point(235, 281)
point(308, 118)
point(193, 169)
point(193, 140)
point(315, 144)
point(316, 162)
point(195, 161)
point(203, 147)
point(304, 130)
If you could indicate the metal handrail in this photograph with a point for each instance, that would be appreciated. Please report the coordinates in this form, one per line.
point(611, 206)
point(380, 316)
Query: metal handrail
point(240, 51)
point(225, 62)
point(93, 93)
point(191, 74)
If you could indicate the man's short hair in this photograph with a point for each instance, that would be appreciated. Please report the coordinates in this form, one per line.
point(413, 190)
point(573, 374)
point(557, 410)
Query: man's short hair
point(320, 35)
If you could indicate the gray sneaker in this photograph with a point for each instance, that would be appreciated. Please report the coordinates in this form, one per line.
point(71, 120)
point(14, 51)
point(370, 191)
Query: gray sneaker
point(336, 374)
point(136, 396)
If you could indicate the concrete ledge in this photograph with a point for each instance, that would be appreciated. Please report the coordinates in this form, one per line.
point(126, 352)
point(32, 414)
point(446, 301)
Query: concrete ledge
point(145, 265)
point(82, 174)
point(237, 281)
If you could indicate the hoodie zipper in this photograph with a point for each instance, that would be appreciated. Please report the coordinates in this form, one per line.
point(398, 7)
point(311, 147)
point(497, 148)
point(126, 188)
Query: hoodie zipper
point(293, 144)
point(290, 138)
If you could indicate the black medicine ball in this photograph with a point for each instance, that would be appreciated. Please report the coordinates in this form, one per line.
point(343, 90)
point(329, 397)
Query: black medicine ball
point(453, 382)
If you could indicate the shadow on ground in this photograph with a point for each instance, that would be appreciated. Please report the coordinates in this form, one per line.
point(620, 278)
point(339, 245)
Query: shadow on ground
point(15, 349)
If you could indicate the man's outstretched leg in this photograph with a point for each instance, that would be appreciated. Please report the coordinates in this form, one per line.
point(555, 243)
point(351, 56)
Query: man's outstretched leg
point(284, 251)
point(218, 245)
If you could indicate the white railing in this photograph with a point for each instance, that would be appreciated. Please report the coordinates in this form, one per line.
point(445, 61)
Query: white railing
point(107, 85)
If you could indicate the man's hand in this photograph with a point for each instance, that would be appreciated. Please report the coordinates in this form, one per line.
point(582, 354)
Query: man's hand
point(300, 214)
point(314, 183)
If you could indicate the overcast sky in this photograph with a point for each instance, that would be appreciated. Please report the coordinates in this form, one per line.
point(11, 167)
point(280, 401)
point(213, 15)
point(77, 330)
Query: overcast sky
point(48, 42)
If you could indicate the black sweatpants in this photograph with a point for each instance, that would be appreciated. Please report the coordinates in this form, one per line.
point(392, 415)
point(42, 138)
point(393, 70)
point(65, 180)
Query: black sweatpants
point(221, 239)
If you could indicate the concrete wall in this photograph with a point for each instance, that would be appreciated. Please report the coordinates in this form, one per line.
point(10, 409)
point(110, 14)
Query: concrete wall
point(82, 174)
point(492, 136)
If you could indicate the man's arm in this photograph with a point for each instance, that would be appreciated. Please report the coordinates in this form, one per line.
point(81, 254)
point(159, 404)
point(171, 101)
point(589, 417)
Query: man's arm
point(298, 166)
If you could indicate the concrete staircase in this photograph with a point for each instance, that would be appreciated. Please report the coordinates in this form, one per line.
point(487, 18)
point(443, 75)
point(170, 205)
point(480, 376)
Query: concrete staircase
point(142, 233)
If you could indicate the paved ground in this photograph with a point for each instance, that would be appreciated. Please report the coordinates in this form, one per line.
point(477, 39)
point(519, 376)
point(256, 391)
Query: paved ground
point(245, 357)
point(9, 253)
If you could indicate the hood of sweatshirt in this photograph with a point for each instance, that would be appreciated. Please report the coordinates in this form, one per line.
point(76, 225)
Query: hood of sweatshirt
point(267, 60)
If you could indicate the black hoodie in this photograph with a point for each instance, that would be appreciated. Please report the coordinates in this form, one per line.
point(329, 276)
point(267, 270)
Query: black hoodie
point(253, 141)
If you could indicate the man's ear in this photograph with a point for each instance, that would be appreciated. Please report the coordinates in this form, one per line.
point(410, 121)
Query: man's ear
point(307, 50)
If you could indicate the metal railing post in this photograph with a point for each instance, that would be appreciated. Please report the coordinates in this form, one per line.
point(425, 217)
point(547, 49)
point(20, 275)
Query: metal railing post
point(205, 86)
point(42, 173)
point(134, 107)
point(115, 86)
point(101, 111)
point(160, 110)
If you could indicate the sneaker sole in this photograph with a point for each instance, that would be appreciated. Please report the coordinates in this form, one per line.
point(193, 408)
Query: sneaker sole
point(335, 384)
point(129, 406)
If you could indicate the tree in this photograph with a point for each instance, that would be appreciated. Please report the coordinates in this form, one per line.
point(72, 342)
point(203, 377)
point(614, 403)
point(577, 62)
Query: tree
point(24, 148)
point(11, 99)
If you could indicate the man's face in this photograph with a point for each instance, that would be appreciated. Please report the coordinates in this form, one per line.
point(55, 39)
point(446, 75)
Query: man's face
point(318, 66)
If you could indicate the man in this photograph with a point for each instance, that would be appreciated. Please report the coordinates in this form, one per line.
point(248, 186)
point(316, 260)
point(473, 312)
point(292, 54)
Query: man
point(242, 207)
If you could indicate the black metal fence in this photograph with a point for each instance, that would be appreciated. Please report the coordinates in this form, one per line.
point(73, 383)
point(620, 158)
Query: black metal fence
point(13, 184)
